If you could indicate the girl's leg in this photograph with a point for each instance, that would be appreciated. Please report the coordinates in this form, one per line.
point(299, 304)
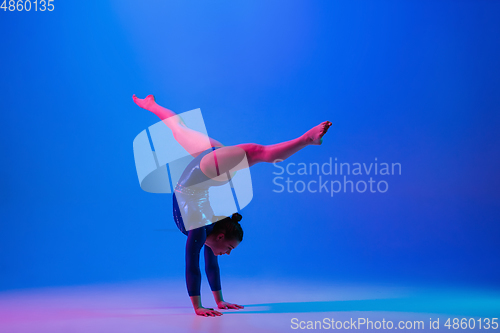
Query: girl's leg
point(194, 142)
point(228, 158)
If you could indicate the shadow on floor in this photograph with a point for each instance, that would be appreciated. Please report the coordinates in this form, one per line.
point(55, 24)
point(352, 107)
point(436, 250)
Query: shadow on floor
point(471, 307)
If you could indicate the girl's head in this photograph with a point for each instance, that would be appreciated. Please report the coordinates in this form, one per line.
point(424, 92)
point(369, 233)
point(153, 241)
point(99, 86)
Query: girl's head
point(226, 235)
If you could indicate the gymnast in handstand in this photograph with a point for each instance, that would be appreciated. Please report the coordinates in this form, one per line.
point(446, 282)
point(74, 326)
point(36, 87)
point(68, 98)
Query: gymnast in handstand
point(213, 165)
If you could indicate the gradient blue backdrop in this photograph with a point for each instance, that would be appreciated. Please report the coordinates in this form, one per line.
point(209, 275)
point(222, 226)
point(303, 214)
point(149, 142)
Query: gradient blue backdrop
point(413, 82)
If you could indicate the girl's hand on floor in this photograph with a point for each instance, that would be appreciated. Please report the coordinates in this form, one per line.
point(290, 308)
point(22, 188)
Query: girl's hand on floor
point(207, 312)
point(226, 305)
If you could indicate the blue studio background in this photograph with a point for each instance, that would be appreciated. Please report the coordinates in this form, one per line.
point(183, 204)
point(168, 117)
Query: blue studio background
point(409, 82)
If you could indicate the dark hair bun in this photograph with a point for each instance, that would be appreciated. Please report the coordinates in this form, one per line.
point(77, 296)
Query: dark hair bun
point(236, 217)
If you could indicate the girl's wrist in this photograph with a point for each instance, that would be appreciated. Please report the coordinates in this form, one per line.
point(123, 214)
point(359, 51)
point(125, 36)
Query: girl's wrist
point(196, 301)
point(218, 296)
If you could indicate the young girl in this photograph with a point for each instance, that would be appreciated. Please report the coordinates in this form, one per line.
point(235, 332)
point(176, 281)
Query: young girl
point(212, 163)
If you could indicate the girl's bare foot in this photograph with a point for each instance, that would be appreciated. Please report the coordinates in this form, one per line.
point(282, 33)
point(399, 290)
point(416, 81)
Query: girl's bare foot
point(145, 103)
point(315, 135)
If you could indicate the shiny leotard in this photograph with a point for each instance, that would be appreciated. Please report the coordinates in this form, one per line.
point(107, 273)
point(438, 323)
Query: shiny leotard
point(191, 195)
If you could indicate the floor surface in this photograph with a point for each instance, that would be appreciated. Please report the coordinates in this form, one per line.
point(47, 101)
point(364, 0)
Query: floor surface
point(270, 306)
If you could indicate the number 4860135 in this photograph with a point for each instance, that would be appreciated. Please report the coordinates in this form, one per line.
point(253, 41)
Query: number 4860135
point(27, 5)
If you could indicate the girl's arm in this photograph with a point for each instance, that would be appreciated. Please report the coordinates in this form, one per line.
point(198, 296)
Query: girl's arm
point(212, 269)
point(213, 275)
point(196, 240)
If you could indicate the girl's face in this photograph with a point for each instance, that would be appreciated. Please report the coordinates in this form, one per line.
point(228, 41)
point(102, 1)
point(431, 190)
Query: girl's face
point(220, 245)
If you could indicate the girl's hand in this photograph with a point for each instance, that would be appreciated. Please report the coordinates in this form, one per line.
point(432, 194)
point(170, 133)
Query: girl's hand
point(207, 312)
point(226, 305)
